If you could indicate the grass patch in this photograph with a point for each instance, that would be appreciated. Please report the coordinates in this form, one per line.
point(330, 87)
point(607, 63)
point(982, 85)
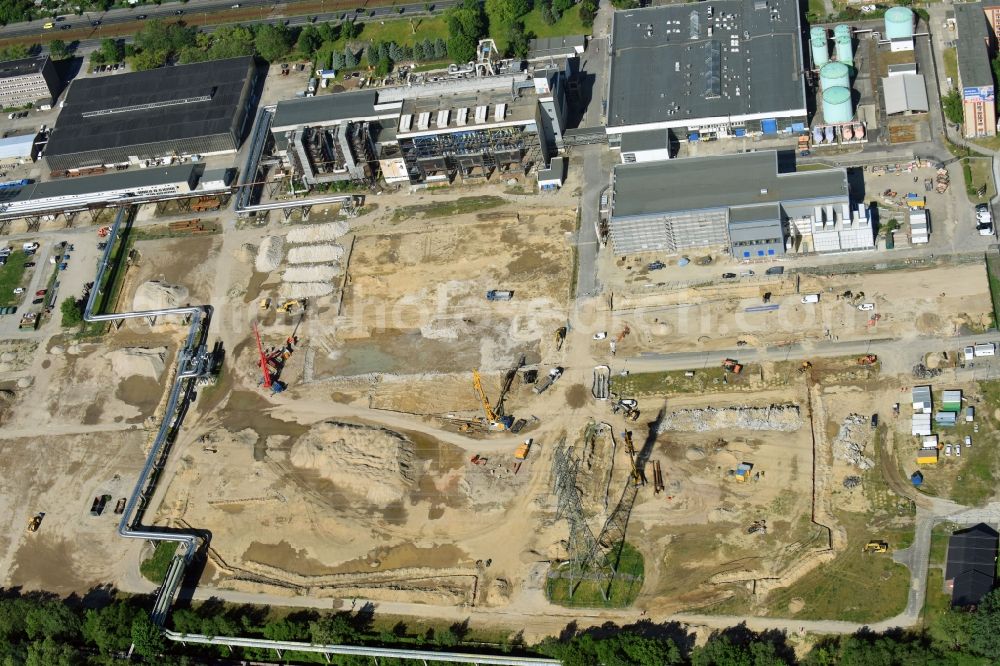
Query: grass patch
point(854, 587)
point(154, 569)
point(951, 64)
point(624, 588)
point(400, 31)
point(448, 208)
point(11, 277)
point(937, 604)
point(675, 381)
point(568, 24)
point(978, 173)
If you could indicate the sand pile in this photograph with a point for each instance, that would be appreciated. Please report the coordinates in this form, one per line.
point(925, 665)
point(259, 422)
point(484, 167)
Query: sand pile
point(269, 254)
point(315, 254)
point(304, 289)
point(156, 295)
point(246, 253)
point(781, 418)
point(310, 273)
point(374, 463)
point(138, 361)
point(318, 232)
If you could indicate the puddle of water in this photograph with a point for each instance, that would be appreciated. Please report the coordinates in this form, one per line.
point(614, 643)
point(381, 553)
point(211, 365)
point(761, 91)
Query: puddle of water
point(247, 409)
point(141, 392)
point(283, 556)
point(93, 414)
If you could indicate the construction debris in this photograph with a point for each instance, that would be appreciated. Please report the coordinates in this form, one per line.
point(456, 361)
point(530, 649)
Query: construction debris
point(317, 233)
point(269, 254)
point(310, 273)
point(852, 482)
point(315, 254)
point(780, 418)
point(849, 445)
point(921, 371)
point(291, 290)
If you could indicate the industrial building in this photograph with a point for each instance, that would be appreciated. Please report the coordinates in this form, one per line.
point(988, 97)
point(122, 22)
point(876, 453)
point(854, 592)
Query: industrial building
point(155, 116)
point(904, 94)
point(469, 127)
point(15, 150)
point(970, 572)
point(899, 24)
point(28, 81)
point(120, 188)
point(710, 69)
point(742, 202)
point(975, 75)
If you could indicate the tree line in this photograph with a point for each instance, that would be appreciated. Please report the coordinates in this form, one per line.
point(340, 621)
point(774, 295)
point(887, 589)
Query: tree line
point(41, 630)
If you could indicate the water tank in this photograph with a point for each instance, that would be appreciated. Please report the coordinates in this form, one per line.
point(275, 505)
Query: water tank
point(834, 75)
point(899, 23)
point(820, 51)
point(841, 30)
point(837, 105)
point(845, 50)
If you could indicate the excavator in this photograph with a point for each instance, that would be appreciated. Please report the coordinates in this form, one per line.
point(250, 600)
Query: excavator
point(495, 421)
point(637, 477)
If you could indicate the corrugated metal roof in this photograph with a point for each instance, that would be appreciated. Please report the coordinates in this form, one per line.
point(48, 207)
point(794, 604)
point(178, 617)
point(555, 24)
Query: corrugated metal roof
point(103, 183)
point(17, 146)
point(973, 57)
point(904, 92)
point(324, 109)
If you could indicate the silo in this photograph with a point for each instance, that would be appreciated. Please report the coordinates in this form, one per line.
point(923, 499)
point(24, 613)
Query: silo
point(845, 50)
point(899, 23)
point(834, 75)
point(841, 30)
point(837, 105)
point(820, 47)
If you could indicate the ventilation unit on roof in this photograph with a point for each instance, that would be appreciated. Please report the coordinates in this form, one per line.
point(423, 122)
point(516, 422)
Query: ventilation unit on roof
point(463, 116)
point(406, 122)
point(500, 112)
point(442, 119)
point(424, 120)
point(695, 27)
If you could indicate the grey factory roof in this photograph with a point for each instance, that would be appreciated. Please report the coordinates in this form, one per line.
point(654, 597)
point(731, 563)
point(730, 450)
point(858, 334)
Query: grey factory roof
point(22, 66)
point(755, 213)
point(666, 67)
point(324, 109)
point(646, 140)
point(165, 104)
point(700, 183)
point(118, 180)
point(556, 46)
point(973, 59)
point(904, 92)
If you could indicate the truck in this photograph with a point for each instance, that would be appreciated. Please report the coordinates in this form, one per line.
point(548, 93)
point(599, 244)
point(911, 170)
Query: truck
point(985, 349)
point(499, 295)
point(554, 374)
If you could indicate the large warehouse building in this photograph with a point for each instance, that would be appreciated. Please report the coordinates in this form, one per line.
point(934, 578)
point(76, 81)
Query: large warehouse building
point(709, 69)
point(739, 202)
point(466, 128)
point(975, 74)
point(156, 115)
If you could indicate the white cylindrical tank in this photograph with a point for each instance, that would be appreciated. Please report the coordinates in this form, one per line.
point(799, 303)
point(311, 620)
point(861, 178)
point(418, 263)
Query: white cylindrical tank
point(819, 46)
point(837, 105)
point(841, 30)
point(834, 75)
point(817, 134)
point(899, 23)
point(845, 50)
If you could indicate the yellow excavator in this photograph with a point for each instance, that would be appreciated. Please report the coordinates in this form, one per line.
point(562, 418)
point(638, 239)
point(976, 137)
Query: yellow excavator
point(495, 421)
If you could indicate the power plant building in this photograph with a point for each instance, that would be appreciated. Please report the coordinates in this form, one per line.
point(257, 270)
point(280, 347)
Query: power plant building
point(155, 116)
point(466, 128)
point(28, 81)
point(710, 69)
point(741, 202)
point(975, 75)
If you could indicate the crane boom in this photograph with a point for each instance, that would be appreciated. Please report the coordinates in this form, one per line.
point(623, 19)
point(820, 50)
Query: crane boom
point(477, 383)
point(263, 359)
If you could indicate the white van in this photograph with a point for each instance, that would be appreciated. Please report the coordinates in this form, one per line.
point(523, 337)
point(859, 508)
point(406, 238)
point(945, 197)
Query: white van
point(810, 298)
point(986, 349)
point(969, 352)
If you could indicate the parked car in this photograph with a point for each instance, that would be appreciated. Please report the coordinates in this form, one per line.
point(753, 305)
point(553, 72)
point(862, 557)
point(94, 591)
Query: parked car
point(865, 307)
point(66, 27)
point(63, 266)
point(958, 450)
point(19, 290)
point(600, 335)
point(728, 276)
point(41, 292)
point(656, 265)
point(775, 270)
point(38, 301)
point(947, 449)
point(29, 264)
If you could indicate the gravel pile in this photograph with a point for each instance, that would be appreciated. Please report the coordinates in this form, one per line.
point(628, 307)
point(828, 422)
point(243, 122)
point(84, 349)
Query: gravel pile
point(315, 254)
point(318, 233)
point(305, 289)
point(310, 273)
point(780, 418)
point(269, 254)
point(851, 440)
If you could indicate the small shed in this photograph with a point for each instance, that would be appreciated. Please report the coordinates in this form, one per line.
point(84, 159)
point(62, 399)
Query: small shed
point(970, 414)
point(742, 472)
point(927, 456)
point(920, 425)
point(951, 401)
point(922, 399)
point(929, 442)
point(945, 419)
point(917, 478)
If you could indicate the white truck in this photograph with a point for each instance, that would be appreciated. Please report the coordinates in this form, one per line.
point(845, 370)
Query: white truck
point(554, 374)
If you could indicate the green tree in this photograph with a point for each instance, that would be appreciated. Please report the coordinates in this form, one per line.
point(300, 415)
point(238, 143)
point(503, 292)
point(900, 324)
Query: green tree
point(627, 649)
point(503, 13)
point(953, 108)
point(720, 650)
point(588, 12)
point(109, 628)
point(466, 26)
point(309, 40)
point(337, 60)
point(440, 49)
point(52, 653)
point(418, 52)
point(273, 41)
point(335, 628)
point(231, 41)
point(562, 6)
point(984, 626)
point(350, 58)
point(350, 30)
point(517, 40)
point(147, 637)
point(548, 16)
point(51, 619)
point(285, 630)
point(58, 49)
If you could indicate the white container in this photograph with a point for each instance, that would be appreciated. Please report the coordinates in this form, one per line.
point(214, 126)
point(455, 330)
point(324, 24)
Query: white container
point(810, 298)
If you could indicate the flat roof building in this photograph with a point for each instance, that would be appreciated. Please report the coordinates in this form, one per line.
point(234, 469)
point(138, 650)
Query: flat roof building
point(721, 68)
point(199, 109)
point(741, 201)
point(975, 75)
point(970, 571)
point(28, 81)
point(557, 47)
point(17, 149)
point(904, 93)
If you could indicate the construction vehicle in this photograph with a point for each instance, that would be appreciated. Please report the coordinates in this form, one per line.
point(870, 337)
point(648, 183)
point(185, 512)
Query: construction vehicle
point(272, 362)
point(522, 451)
point(554, 374)
point(876, 547)
point(805, 366)
point(508, 381)
point(868, 359)
point(265, 303)
point(560, 337)
point(35, 522)
point(288, 306)
point(495, 421)
point(499, 295)
point(757, 527)
point(625, 331)
point(732, 365)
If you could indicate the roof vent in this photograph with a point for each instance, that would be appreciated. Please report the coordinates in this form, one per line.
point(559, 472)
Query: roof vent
point(763, 191)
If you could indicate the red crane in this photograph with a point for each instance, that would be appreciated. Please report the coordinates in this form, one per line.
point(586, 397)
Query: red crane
point(263, 359)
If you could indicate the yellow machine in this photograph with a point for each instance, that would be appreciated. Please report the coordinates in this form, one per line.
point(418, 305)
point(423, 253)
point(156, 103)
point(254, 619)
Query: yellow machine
point(265, 303)
point(876, 547)
point(636, 474)
point(560, 337)
point(495, 422)
point(35, 522)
